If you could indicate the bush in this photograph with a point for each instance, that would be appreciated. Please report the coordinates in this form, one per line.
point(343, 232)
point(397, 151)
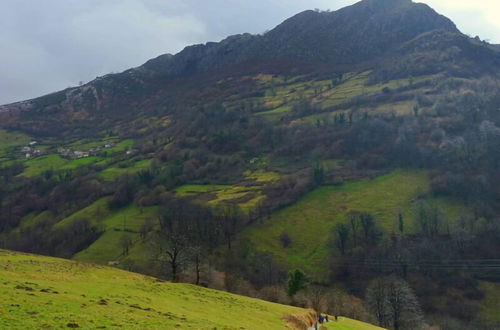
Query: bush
point(285, 240)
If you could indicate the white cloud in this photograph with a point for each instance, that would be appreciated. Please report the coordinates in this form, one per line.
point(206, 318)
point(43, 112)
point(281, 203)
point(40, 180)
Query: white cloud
point(478, 17)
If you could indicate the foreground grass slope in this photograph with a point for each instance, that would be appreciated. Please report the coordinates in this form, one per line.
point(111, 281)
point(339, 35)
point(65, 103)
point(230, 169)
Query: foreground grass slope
point(310, 221)
point(54, 293)
point(44, 292)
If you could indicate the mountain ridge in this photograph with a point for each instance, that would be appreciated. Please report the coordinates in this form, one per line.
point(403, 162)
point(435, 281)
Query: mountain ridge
point(371, 35)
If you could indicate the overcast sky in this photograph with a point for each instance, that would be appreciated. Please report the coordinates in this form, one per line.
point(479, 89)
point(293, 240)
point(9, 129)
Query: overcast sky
point(52, 44)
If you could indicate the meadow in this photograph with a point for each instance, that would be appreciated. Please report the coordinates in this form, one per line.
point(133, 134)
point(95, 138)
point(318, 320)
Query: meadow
point(44, 292)
point(310, 221)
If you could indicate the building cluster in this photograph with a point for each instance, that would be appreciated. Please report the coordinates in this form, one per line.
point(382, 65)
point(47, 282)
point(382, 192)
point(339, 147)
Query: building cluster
point(31, 151)
point(77, 154)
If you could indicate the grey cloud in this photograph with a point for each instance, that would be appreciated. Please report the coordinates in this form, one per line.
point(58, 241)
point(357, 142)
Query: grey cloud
point(51, 44)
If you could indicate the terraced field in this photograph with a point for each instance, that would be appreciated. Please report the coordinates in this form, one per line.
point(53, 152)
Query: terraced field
point(247, 194)
point(278, 98)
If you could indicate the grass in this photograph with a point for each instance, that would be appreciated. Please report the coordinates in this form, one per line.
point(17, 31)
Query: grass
point(119, 145)
point(279, 96)
point(194, 189)
point(44, 292)
point(32, 219)
point(247, 197)
point(95, 212)
point(112, 173)
point(10, 140)
point(262, 176)
point(75, 163)
point(126, 221)
point(490, 305)
point(39, 165)
point(115, 224)
point(309, 222)
point(348, 324)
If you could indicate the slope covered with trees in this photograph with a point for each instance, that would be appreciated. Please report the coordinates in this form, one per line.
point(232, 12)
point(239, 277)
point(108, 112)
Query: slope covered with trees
point(351, 145)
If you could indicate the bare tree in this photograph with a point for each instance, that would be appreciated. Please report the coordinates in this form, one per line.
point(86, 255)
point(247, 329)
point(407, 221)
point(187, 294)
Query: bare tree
point(125, 243)
point(230, 218)
point(354, 221)
point(393, 303)
point(376, 300)
point(342, 236)
point(198, 257)
point(336, 302)
point(317, 298)
point(172, 252)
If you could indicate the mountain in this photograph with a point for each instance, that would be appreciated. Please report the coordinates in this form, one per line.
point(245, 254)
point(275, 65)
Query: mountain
point(339, 149)
point(355, 34)
point(395, 39)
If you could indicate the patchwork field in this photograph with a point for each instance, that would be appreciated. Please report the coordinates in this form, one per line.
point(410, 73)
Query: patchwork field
point(247, 194)
point(280, 95)
point(310, 221)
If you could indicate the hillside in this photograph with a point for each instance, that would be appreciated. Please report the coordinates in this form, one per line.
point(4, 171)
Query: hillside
point(54, 293)
point(351, 146)
point(309, 223)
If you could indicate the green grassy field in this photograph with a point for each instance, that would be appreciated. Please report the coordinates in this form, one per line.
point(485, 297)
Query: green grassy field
point(38, 165)
point(279, 96)
point(48, 293)
point(310, 221)
point(247, 195)
point(344, 323)
point(124, 222)
point(95, 212)
point(11, 141)
point(112, 173)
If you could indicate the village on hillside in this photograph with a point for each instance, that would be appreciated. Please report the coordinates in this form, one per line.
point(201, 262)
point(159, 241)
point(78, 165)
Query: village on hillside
point(31, 151)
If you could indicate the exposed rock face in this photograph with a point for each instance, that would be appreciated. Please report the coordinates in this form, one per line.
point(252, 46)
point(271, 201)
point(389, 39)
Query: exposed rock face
point(350, 35)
